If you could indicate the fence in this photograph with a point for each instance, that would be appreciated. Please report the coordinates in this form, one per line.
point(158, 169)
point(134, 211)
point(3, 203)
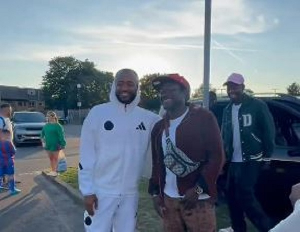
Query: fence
point(74, 116)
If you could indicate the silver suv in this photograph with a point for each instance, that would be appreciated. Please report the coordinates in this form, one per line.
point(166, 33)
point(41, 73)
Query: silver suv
point(27, 127)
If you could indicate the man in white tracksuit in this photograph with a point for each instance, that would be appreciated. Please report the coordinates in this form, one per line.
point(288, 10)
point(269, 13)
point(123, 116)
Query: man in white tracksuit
point(115, 139)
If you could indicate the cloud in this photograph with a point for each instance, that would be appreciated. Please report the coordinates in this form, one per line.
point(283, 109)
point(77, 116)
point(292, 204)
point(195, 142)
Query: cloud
point(229, 17)
point(229, 51)
point(35, 52)
point(152, 25)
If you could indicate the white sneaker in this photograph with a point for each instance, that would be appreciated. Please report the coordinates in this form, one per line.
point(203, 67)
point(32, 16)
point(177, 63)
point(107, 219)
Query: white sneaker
point(14, 192)
point(228, 229)
point(52, 173)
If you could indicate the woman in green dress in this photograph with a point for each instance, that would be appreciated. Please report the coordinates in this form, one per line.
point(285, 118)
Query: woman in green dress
point(53, 140)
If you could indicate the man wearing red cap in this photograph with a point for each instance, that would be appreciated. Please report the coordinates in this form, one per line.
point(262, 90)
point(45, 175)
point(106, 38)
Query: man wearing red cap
point(187, 157)
point(248, 135)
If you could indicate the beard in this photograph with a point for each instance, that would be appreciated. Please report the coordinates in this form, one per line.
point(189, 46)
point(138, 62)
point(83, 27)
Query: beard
point(126, 100)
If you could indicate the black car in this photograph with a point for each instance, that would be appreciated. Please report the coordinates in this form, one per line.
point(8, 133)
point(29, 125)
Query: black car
point(275, 182)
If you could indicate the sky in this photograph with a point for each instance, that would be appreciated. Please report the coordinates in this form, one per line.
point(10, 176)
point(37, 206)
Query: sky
point(259, 39)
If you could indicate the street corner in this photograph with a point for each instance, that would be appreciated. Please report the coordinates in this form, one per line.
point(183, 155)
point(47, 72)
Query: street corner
point(68, 189)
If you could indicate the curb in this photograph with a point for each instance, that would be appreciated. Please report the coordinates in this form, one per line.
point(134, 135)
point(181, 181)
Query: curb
point(73, 193)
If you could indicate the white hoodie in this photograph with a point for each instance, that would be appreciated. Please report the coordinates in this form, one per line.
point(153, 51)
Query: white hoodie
point(115, 139)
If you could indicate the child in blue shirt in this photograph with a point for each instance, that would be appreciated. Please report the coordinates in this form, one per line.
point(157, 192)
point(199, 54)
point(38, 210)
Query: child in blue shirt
point(7, 155)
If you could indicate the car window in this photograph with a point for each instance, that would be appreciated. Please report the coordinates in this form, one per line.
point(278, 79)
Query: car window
point(294, 105)
point(29, 117)
point(284, 119)
point(296, 128)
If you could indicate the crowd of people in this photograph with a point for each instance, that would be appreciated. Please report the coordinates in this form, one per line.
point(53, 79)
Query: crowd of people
point(52, 137)
point(189, 147)
point(188, 150)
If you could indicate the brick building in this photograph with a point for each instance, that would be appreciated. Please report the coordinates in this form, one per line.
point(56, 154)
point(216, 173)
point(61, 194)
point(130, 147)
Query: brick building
point(28, 99)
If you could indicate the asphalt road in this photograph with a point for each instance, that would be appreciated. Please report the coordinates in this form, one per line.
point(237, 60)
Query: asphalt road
point(41, 206)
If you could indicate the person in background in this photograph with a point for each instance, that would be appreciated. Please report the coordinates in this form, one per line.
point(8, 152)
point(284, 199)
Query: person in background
point(184, 192)
point(248, 134)
point(53, 140)
point(114, 142)
point(212, 99)
point(7, 150)
point(217, 111)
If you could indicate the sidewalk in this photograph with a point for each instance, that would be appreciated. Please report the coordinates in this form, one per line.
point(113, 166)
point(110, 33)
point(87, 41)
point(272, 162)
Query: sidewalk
point(70, 191)
point(41, 206)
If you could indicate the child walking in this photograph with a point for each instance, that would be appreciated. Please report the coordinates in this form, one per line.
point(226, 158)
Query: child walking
point(7, 150)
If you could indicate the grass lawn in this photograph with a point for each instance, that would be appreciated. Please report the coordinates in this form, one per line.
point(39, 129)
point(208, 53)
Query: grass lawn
point(148, 221)
point(70, 177)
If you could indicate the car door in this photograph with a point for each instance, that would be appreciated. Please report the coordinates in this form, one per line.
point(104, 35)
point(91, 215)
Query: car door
point(275, 182)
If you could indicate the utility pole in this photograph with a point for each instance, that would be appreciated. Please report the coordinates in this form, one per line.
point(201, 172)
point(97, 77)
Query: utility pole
point(207, 36)
point(274, 91)
point(79, 102)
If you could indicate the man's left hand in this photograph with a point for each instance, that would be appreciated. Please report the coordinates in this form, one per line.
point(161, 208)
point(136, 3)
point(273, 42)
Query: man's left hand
point(191, 198)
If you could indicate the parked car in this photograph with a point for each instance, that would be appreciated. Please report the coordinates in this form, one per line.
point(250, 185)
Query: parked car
point(62, 120)
point(275, 182)
point(27, 127)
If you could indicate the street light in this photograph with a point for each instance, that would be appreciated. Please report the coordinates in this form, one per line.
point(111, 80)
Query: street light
point(79, 102)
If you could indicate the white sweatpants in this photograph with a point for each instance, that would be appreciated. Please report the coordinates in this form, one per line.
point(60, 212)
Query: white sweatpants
point(114, 214)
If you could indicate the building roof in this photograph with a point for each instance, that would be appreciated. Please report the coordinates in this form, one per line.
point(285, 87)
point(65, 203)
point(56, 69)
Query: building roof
point(19, 94)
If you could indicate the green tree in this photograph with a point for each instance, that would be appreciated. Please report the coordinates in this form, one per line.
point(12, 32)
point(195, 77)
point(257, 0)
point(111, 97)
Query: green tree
point(149, 96)
point(59, 84)
point(294, 89)
point(199, 92)
point(95, 85)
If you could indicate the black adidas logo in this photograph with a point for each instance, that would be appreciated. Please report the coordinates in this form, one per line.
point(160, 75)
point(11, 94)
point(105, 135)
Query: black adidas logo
point(141, 126)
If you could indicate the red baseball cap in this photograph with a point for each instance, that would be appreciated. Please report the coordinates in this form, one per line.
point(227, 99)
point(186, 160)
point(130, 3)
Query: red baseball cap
point(174, 77)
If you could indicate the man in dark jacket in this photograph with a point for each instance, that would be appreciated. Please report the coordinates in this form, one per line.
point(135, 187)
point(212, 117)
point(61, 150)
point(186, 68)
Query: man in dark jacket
point(248, 134)
point(187, 158)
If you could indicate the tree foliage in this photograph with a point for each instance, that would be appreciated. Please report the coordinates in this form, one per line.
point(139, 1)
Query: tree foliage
point(294, 89)
point(199, 92)
point(60, 82)
point(149, 96)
